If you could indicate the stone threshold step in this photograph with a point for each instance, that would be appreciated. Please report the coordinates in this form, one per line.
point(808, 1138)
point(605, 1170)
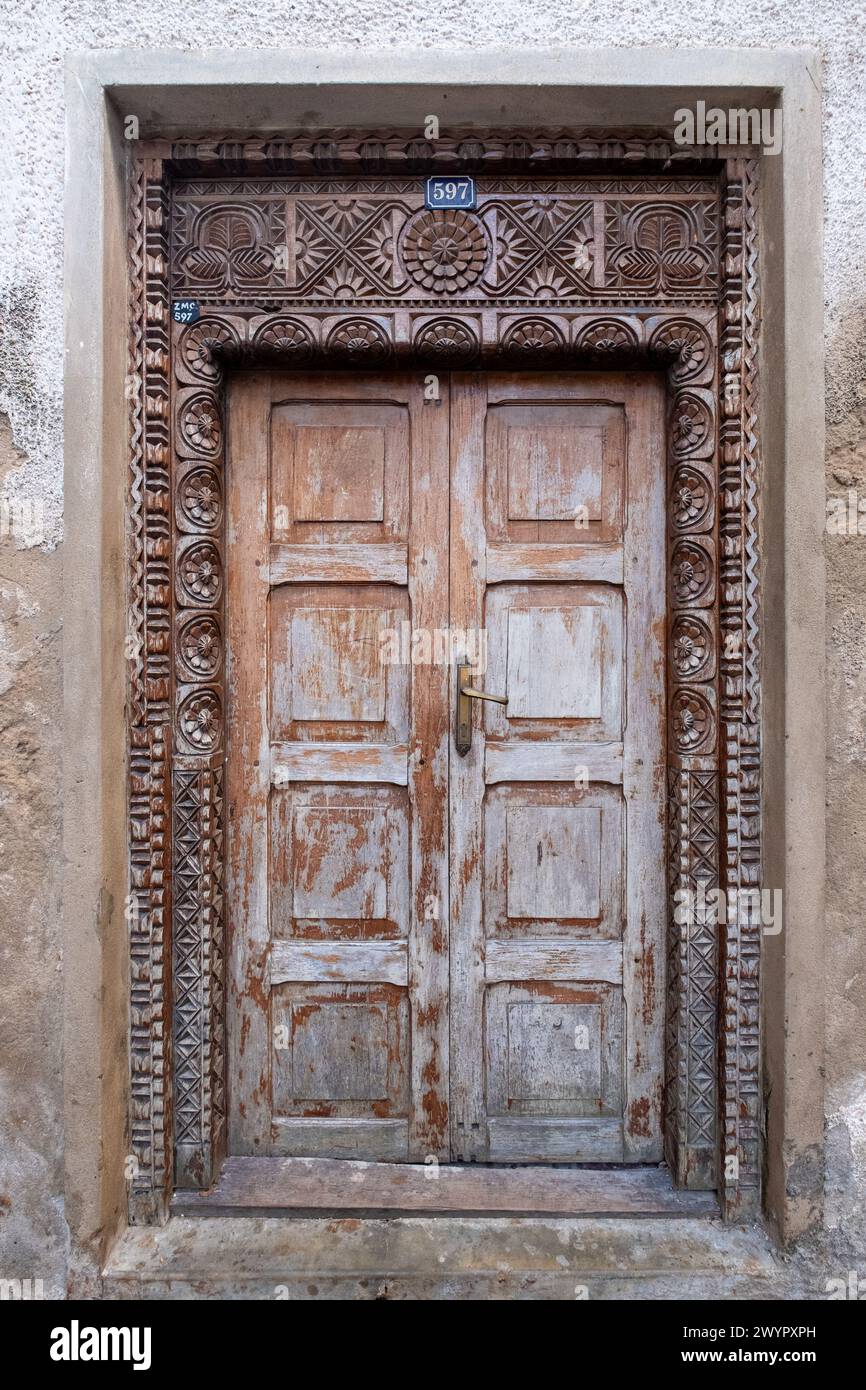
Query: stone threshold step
point(442, 1257)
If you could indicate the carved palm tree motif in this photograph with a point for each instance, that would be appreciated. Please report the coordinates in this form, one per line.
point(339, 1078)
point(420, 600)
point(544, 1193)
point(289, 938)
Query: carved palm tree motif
point(660, 248)
point(228, 252)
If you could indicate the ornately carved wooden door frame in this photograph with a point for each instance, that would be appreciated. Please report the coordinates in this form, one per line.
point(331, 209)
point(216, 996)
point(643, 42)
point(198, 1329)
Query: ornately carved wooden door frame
point(629, 266)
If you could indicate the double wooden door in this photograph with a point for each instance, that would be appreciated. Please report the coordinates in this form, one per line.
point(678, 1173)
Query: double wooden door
point(442, 952)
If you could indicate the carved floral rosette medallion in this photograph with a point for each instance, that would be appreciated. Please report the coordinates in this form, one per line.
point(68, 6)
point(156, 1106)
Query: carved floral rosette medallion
point(320, 252)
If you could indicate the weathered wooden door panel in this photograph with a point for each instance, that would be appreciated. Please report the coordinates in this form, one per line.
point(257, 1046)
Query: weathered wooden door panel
point(341, 518)
point(337, 768)
point(557, 810)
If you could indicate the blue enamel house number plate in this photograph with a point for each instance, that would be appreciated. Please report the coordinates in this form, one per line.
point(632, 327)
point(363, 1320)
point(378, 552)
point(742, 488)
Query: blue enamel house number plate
point(185, 311)
point(444, 191)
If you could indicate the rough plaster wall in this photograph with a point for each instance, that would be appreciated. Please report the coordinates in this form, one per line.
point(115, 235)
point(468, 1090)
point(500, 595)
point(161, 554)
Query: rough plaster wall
point(35, 38)
point(846, 813)
point(32, 1237)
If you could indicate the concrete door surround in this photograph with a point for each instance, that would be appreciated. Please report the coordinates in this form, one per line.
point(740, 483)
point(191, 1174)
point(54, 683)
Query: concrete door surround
point(198, 95)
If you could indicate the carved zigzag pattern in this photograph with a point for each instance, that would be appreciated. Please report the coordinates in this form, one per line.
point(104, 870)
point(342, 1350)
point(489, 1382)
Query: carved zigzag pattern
point(148, 905)
point(703, 960)
point(190, 907)
point(198, 961)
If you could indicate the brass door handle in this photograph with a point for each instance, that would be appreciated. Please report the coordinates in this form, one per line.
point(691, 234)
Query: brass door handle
point(465, 693)
point(471, 693)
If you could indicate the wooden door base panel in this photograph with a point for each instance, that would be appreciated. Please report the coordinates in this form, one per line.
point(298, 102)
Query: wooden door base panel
point(305, 1186)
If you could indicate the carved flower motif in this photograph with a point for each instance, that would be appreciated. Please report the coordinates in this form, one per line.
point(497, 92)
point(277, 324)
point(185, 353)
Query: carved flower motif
point(359, 338)
point(343, 281)
point(684, 344)
point(547, 281)
point(201, 341)
point(691, 571)
point(533, 338)
point(201, 572)
point(544, 212)
point(312, 248)
point(513, 247)
point(445, 251)
point(578, 247)
point(607, 343)
point(200, 718)
point(345, 212)
point(690, 424)
point(691, 497)
point(201, 646)
point(447, 339)
point(691, 719)
point(201, 498)
point(286, 337)
point(608, 338)
point(691, 646)
point(201, 425)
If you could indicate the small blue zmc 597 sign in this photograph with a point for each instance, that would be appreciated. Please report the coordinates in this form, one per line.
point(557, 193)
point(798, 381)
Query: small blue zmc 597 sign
point(185, 311)
point(444, 191)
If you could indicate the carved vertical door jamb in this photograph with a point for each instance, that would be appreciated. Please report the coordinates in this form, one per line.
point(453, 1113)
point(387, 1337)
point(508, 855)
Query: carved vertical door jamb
point(691, 1091)
point(149, 1165)
point(198, 955)
point(739, 1068)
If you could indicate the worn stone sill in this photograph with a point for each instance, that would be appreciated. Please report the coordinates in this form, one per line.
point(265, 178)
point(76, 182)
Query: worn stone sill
point(448, 1257)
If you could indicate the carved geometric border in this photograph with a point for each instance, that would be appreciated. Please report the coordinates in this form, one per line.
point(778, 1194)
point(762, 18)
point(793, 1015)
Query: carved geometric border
point(366, 153)
point(149, 697)
point(740, 614)
point(177, 579)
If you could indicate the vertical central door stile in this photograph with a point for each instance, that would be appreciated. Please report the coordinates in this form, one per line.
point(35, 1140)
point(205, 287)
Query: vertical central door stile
point(429, 753)
point(248, 767)
point(644, 760)
point(468, 564)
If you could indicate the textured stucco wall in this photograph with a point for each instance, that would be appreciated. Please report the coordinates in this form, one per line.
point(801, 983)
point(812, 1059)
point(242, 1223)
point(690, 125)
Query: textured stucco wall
point(35, 38)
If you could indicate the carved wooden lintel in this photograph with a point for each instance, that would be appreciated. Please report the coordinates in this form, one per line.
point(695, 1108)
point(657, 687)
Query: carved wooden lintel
point(359, 153)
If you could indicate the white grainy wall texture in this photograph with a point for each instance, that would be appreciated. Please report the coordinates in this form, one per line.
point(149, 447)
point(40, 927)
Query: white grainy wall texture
point(34, 39)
